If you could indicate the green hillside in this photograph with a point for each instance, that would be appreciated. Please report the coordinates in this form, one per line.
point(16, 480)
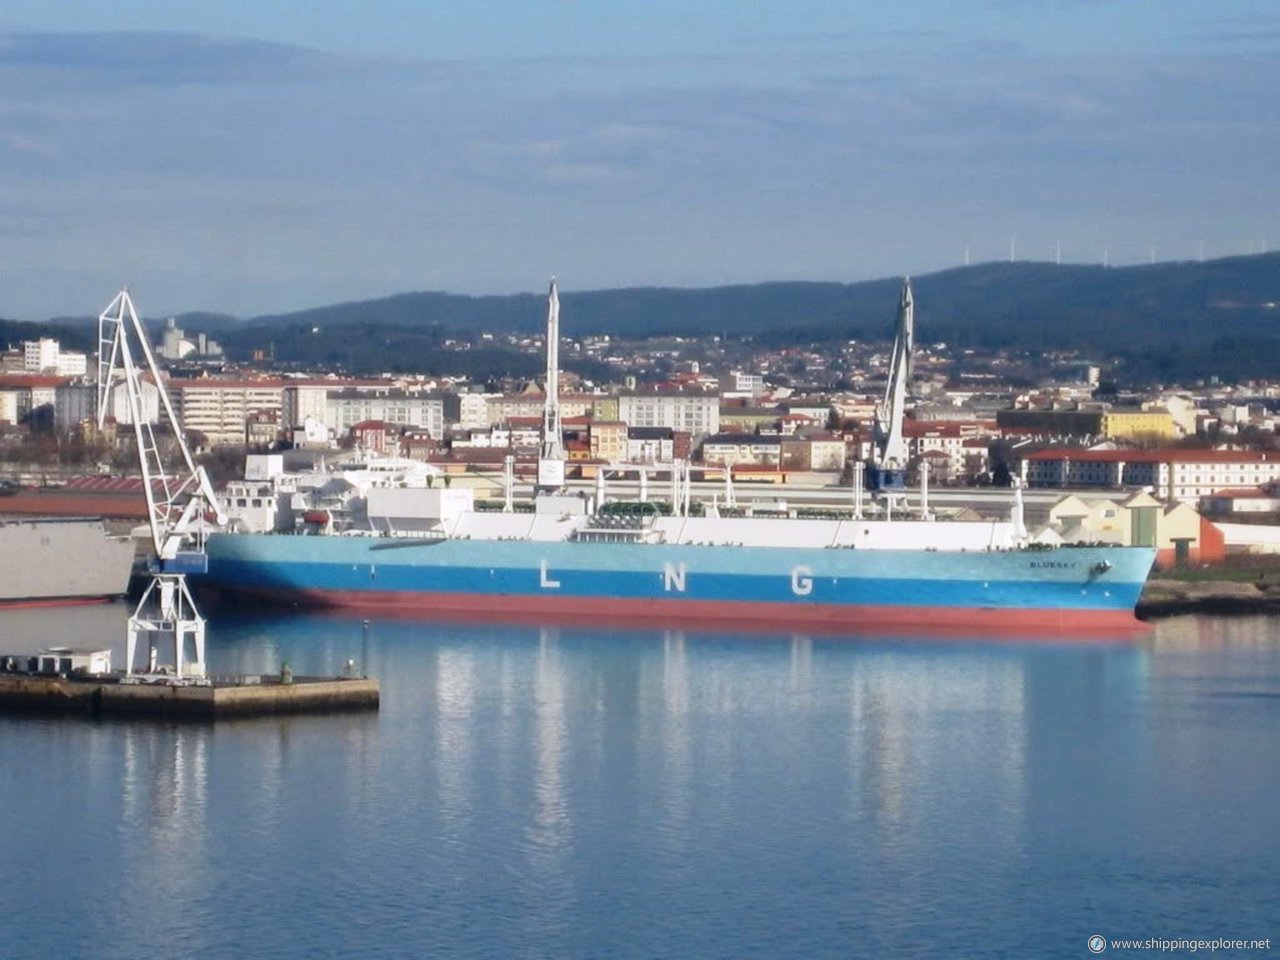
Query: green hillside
point(1164, 321)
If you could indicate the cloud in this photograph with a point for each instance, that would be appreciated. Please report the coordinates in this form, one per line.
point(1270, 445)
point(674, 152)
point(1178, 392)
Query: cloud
point(585, 173)
point(22, 143)
point(252, 177)
point(616, 132)
point(1254, 30)
point(153, 58)
point(1265, 36)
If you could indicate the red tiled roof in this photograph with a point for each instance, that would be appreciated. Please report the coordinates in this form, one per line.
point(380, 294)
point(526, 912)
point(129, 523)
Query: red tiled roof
point(1176, 455)
point(51, 503)
point(1242, 493)
point(213, 384)
point(29, 380)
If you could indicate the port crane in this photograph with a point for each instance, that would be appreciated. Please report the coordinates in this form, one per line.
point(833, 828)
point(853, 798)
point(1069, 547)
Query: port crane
point(551, 455)
point(887, 471)
point(178, 502)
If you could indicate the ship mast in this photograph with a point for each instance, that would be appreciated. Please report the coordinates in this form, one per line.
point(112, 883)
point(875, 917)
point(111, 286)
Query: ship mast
point(889, 469)
point(551, 454)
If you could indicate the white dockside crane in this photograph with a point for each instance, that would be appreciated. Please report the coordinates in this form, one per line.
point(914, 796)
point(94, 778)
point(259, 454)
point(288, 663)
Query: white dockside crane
point(888, 469)
point(551, 455)
point(177, 503)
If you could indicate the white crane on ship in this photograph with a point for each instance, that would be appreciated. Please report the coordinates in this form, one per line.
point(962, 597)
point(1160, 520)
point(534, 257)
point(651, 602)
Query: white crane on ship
point(551, 454)
point(177, 503)
point(888, 470)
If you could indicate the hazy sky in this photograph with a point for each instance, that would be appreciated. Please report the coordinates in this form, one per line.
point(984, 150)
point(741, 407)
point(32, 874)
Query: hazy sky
point(255, 157)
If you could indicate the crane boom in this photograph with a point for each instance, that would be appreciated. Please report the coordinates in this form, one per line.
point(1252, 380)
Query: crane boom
point(888, 469)
point(177, 502)
point(169, 496)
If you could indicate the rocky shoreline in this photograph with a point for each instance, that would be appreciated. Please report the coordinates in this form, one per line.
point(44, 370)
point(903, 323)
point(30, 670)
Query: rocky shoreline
point(1164, 598)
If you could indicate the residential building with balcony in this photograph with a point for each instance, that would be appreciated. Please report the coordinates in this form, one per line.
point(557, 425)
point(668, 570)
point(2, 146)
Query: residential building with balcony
point(733, 449)
point(1173, 474)
point(348, 407)
point(697, 414)
point(220, 409)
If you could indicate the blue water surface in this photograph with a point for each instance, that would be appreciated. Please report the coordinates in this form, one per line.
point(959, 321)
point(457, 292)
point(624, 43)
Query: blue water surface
point(593, 792)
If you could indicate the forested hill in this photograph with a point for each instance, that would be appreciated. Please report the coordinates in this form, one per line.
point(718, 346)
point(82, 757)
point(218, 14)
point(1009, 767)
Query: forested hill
point(1166, 320)
point(1035, 304)
point(71, 334)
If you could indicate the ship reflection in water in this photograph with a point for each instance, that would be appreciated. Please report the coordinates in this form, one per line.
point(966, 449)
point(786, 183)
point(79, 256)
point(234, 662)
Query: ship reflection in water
point(840, 761)
point(588, 791)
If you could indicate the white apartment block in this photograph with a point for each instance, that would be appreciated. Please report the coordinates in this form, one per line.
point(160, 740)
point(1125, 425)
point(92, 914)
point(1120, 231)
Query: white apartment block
point(827, 455)
point(738, 382)
point(650, 445)
point(473, 410)
point(501, 408)
point(219, 409)
point(46, 356)
point(40, 355)
point(1177, 474)
point(305, 401)
point(697, 414)
point(952, 445)
point(72, 364)
point(23, 394)
point(741, 448)
point(346, 408)
point(9, 405)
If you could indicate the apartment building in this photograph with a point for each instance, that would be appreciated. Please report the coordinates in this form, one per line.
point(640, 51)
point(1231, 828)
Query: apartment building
point(500, 408)
point(741, 448)
point(650, 444)
point(608, 439)
point(473, 410)
point(24, 393)
point(1114, 423)
point(742, 383)
point(307, 401)
point(220, 409)
point(821, 452)
point(1174, 474)
point(47, 356)
point(346, 408)
point(697, 414)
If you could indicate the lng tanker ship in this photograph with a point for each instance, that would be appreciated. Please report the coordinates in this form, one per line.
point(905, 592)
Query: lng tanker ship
point(429, 550)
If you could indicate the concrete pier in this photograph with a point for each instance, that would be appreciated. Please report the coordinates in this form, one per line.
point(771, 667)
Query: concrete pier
point(243, 697)
point(1164, 598)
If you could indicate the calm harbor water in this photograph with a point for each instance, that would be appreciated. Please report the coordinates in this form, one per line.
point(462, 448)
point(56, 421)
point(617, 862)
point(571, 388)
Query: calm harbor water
point(562, 792)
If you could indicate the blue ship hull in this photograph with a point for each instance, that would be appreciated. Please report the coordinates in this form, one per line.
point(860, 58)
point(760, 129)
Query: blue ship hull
point(1083, 587)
